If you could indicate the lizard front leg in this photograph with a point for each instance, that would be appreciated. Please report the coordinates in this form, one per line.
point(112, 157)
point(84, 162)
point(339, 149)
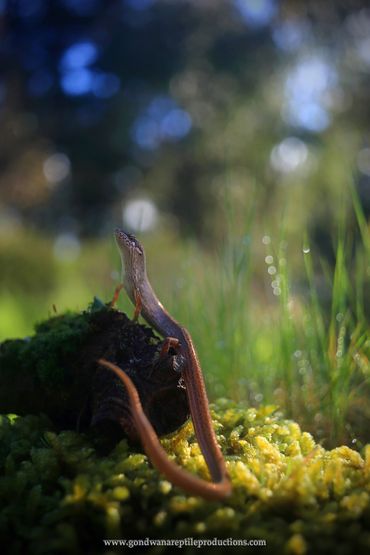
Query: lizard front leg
point(138, 305)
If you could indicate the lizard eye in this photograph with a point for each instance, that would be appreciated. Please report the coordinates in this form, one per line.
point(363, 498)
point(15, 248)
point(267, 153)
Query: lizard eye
point(134, 243)
point(129, 240)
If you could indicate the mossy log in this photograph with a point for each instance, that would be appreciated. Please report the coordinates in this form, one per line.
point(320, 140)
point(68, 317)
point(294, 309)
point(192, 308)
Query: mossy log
point(55, 372)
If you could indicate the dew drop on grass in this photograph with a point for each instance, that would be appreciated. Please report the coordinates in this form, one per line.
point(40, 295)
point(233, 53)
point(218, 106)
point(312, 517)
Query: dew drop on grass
point(271, 270)
point(306, 250)
point(266, 239)
point(269, 259)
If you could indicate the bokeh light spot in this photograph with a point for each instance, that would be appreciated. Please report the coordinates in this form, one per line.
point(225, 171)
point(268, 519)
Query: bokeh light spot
point(290, 34)
point(56, 167)
point(79, 55)
point(289, 155)
point(77, 82)
point(162, 120)
point(311, 116)
point(146, 133)
point(307, 89)
point(257, 13)
point(176, 124)
point(140, 215)
point(160, 106)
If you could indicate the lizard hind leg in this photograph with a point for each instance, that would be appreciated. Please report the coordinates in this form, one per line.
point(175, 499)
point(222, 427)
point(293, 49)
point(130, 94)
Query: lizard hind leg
point(168, 343)
point(179, 361)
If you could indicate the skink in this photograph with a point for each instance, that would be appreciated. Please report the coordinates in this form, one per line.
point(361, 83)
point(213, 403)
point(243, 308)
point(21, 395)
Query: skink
point(139, 290)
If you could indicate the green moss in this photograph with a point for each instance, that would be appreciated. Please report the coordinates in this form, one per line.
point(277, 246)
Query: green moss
point(58, 495)
point(55, 340)
point(49, 372)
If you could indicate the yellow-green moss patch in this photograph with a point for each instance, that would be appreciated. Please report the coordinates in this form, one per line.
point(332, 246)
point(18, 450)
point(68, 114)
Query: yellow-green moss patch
point(58, 494)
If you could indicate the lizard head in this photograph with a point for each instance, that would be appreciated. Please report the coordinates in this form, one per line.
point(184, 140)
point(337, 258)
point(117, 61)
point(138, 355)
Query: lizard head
point(126, 241)
point(132, 252)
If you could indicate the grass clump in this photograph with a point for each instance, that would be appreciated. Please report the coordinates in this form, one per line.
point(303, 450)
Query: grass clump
point(278, 322)
point(287, 489)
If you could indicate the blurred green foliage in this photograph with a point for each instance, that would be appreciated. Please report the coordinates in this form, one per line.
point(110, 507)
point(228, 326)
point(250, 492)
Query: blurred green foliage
point(27, 264)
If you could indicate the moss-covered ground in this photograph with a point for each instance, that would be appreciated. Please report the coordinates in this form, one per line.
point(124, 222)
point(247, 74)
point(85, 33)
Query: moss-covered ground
point(61, 494)
point(65, 492)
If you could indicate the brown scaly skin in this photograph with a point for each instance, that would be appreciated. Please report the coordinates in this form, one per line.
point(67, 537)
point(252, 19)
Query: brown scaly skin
point(139, 290)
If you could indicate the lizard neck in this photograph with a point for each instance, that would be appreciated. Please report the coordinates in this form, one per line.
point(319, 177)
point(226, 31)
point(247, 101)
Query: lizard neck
point(157, 316)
